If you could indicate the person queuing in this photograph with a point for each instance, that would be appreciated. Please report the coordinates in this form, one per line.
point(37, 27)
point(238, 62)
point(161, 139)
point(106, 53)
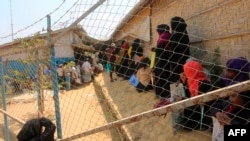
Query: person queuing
point(195, 117)
point(234, 111)
point(136, 55)
point(143, 75)
point(162, 65)
point(111, 60)
point(124, 59)
point(179, 46)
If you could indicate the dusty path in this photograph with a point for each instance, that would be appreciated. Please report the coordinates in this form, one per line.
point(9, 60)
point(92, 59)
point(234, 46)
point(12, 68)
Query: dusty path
point(85, 108)
point(81, 110)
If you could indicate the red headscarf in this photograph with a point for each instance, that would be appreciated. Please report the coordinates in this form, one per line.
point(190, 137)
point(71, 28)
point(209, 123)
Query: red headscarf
point(194, 73)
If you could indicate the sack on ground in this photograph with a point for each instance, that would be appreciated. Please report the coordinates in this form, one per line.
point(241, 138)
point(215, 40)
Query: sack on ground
point(133, 80)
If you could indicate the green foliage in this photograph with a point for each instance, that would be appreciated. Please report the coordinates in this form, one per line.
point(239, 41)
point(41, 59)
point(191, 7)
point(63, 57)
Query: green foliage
point(19, 78)
point(32, 45)
point(7, 92)
point(34, 55)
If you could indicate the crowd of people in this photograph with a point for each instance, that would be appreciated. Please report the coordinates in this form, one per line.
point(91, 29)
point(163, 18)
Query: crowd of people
point(73, 74)
point(172, 64)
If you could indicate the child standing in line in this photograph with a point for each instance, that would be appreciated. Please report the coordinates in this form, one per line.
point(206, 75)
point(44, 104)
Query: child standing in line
point(111, 59)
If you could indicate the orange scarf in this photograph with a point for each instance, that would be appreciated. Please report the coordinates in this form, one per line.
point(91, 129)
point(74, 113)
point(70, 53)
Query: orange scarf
point(194, 73)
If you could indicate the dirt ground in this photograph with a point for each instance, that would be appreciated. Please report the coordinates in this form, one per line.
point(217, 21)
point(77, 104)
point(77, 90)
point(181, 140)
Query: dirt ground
point(97, 104)
point(126, 101)
point(80, 110)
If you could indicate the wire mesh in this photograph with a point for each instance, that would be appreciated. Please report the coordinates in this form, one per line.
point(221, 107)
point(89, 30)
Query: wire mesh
point(100, 45)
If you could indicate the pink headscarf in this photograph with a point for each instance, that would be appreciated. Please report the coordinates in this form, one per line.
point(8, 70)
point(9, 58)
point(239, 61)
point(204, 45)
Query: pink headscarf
point(194, 73)
point(164, 39)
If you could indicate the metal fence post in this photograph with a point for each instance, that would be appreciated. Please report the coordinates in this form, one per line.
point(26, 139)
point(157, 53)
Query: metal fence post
point(6, 129)
point(55, 81)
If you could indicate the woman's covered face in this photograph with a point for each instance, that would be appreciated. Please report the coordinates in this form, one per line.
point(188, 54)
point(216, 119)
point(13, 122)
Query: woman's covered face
point(236, 100)
point(230, 74)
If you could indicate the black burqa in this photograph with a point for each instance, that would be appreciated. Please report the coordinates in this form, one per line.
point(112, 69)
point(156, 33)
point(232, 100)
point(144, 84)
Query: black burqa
point(179, 46)
point(162, 65)
point(136, 50)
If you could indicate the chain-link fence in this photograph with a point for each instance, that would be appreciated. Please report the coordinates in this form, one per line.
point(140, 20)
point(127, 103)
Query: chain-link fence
point(131, 70)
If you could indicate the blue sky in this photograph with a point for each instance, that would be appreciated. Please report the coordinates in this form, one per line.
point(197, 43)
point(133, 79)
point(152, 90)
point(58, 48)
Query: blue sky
point(99, 24)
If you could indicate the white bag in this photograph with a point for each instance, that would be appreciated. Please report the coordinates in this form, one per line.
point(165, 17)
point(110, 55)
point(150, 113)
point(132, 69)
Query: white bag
point(218, 131)
point(177, 116)
point(177, 89)
point(78, 80)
